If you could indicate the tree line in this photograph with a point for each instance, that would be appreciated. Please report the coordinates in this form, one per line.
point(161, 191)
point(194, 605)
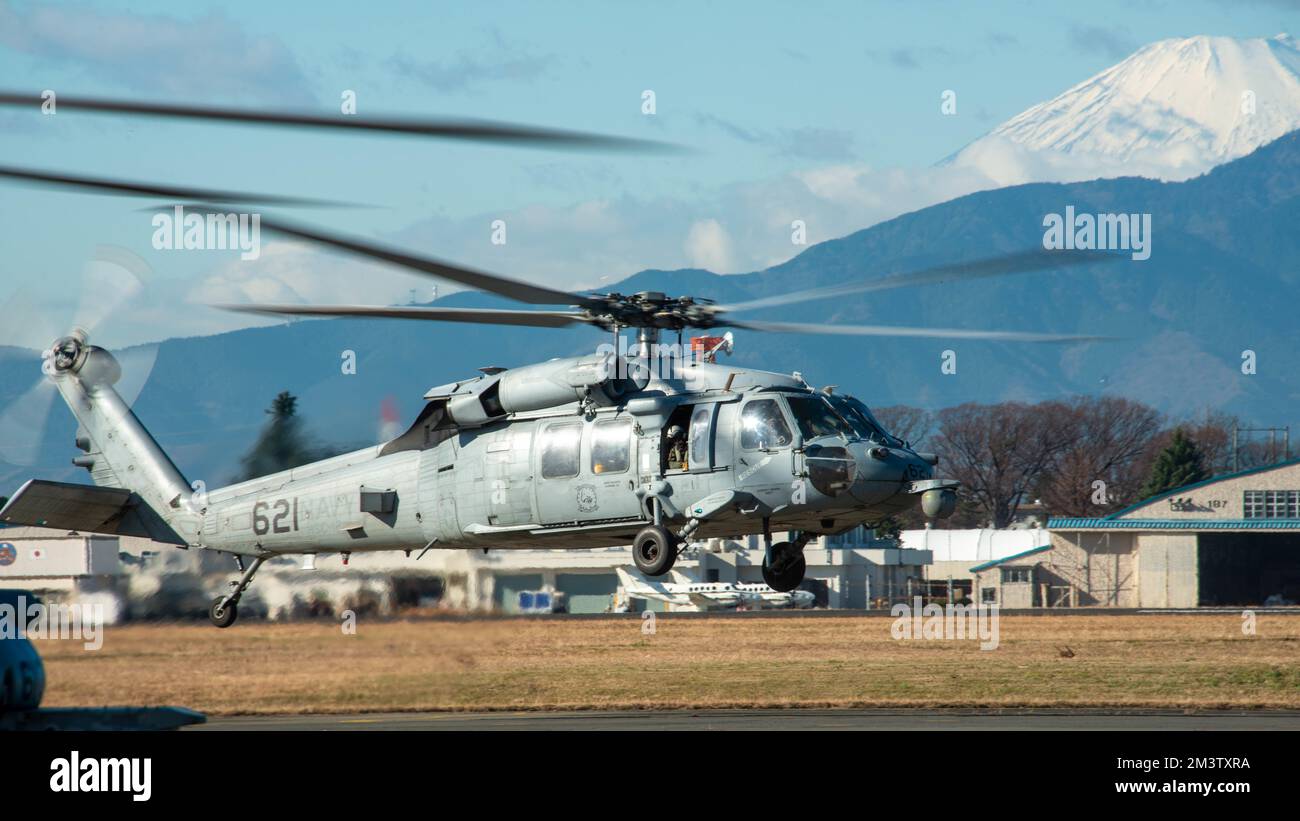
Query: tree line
point(1084, 456)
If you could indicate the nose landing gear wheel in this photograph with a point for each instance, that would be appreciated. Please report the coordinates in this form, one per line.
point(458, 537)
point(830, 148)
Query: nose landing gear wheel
point(223, 616)
point(787, 567)
point(654, 551)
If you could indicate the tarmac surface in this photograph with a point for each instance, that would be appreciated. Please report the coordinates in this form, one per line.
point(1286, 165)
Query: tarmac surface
point(798, 719)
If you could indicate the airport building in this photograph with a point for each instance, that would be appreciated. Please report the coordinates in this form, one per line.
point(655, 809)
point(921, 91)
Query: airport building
point(1230, 541)
point(141, 579)
point(55, 561)
point(949, 576)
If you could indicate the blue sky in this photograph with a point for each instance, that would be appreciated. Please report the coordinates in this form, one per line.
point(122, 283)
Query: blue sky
point(826, 112)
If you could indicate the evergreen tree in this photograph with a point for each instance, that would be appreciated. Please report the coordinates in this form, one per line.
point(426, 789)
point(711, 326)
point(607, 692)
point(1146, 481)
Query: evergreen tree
point(282, 443)
point(890, 527)
point(1179, 464)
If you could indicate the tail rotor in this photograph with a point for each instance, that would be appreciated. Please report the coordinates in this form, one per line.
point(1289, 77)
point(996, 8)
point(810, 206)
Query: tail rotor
point(111, 279)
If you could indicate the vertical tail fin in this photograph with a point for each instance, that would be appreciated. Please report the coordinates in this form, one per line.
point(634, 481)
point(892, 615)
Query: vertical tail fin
point(119, 452)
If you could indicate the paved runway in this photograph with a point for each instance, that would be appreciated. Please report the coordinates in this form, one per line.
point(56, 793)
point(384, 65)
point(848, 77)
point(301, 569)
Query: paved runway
point(866, 719)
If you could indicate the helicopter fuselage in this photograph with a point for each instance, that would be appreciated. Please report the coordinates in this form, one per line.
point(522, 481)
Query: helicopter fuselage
point(746, 459)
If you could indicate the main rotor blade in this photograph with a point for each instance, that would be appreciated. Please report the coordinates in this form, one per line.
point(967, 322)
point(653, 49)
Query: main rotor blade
point(105, 185)
point(1022, 262)
point(502, 286)
point(441, 127)
point(487, 316)
point(899, 330)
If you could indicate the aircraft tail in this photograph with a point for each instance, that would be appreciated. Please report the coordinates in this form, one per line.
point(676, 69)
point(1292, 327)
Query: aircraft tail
point(139, 490)
point(637, 585)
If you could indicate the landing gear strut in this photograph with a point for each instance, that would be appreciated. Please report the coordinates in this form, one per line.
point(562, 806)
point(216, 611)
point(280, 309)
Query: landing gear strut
point(225, 609)
point(784, 565)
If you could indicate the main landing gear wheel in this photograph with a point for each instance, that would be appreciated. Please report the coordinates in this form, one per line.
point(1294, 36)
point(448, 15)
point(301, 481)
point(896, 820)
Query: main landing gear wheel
point(787, 568)
point(654, 550)
point(223, 616)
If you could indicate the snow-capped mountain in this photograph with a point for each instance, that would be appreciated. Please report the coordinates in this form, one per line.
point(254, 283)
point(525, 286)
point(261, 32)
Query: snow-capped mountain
point(1173, 110)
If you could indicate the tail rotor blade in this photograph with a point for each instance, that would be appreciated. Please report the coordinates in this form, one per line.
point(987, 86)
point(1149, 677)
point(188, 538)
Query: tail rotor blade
point(22, 424)
point(136, 364)
point(111, 278)
point(26, 324)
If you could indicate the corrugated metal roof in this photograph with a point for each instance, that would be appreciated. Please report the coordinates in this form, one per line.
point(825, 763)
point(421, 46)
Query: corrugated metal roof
point(1173, 524)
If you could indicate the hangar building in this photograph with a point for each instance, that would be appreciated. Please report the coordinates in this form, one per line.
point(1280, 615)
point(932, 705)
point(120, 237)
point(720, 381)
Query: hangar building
point(1230, 541)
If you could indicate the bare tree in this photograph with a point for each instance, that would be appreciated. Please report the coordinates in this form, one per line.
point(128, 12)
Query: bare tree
point(1101, 458)
point(910, 424)
point(999, 452)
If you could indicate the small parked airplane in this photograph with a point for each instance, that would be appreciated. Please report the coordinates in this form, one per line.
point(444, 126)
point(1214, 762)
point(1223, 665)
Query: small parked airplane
point(699, 596)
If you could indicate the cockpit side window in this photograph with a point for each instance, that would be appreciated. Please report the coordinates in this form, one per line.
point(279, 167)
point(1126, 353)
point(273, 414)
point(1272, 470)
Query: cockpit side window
point(861, 417)
point(816, 418)
point(762, 425)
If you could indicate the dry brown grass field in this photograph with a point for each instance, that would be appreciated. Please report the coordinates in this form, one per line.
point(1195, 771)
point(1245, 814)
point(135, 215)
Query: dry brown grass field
point(254, 667)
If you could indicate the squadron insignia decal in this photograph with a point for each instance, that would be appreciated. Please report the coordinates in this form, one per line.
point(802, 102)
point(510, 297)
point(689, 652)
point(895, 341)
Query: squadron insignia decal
point(586, 497)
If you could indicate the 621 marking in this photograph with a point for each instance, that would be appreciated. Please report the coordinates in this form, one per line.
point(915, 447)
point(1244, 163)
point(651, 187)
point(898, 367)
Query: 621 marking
point(276, 524)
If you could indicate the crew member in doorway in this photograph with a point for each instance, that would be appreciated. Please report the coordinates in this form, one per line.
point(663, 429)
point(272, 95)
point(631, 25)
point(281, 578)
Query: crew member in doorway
point(677, 448)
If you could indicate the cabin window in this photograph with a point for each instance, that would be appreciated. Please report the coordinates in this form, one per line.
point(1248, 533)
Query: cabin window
point(559, 447)
point(611, 446)
point(701, 425)
point(762, 425)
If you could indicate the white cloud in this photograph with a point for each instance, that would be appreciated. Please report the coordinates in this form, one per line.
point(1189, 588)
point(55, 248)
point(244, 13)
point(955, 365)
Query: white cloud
point(584, 245)
point(708, 246)
point(294, 272)
point(208, 56)
point(1004, 162)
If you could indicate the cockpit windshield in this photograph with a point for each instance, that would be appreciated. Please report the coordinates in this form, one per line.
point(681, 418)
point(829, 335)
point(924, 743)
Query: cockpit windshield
point(816, 418)
point(860, 417)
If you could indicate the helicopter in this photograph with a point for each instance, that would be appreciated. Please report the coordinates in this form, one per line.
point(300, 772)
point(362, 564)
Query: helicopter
point(648, 444)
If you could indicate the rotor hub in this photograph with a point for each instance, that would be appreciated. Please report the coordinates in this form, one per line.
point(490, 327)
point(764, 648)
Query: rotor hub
point(68, 353)
point(652, 309)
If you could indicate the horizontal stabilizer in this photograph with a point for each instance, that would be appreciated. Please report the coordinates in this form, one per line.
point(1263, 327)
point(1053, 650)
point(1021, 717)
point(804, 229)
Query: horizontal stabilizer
point(88, 509)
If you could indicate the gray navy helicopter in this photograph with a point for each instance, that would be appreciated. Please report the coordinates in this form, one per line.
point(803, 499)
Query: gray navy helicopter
point(648, 443)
